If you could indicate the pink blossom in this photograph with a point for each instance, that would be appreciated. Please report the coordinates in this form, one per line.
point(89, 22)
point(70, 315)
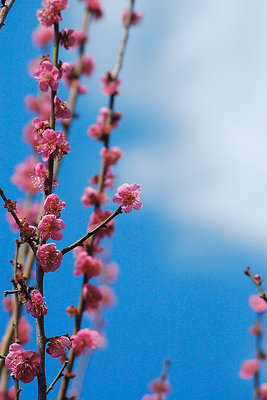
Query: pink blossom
point(40, 104)
point(160, 386)
point(111, 156)
point(92, 197)
point(95, 8)
point(88, 64)
point(153, 396)
point(7, 304)
point(27, 231)
point(36, 306)
point(80, 38)
point(67, 38)
point(47, 75)
point(110, 273)
point(11, 393)
point(91, 295)
point(263, 391)
point(53, 143)
point(23, 365)
point(40, 179)
point(108, 296)
point(108, 180)
point(97, 217)
point(23, 174)
point(85, 338)
point(35, 64)
point(53, 205)
point(61, 109)
point(51, 14)
point(58, 5)
point(72, 311)
point(136, 17)
point(104, 125)
point(49, 257)
point(110, 86)
point(42, 36)
point(24, 330)
point(88, 265)
point(50, 226)
point(39, 128)
point(257, 303)
point(249, 368)
point(128, 196)
point(58, 345)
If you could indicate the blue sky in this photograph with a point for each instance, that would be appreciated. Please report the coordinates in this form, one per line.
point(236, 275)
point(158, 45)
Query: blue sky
point(194, 135)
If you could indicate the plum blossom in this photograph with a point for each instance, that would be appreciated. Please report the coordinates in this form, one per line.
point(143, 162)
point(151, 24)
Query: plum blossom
point(50, 258)
point(85, 338)
point(29, 213)
point(48, 76)
point(111, 156)
point(257, 303)
point(72, 311)
point(95, 8)
point(88, 64)
point(160, 386)
point(128, 196)
point(86, 264)
point(92, 296)
point(97, 217)
point(42, 36)
point(40, 178)
point(136, 17)
point(110, 273)
point(109, 85)
point(108, 296)
point(40, 104)
point(50, 226)
point(36, 306)
point(61, 109)
point(104, 125)
point(53, 143)
point(92, 197)
point(57, 346)
point(51, 13)
point(22, 176)
point(24, 330)
point(263, 391)
point(249, 368)
point(23, 365)
point(53, 205)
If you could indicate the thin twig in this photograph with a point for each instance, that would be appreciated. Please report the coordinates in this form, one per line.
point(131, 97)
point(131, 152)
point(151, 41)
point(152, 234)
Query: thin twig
point(4, 10)
point(59, 375)
point(257, 283)
point(92, 232)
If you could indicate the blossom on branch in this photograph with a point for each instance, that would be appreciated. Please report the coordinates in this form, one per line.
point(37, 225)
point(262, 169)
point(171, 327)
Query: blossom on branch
point(42, 36)
point(128, 196)
point(86, 264)
point(97, 217)
point(57, 346)
point(48, 76)
point(36, 306)
point(53, 143)
point(136, 17)
point(61, 109)
point(257, 303)
point(111, 156)
point(53, 205)
point(85, 339)
point(23, 365)
point(92, 296)
point(110, 85)
point(50, 258)
point(249, 368)
point(51, 226)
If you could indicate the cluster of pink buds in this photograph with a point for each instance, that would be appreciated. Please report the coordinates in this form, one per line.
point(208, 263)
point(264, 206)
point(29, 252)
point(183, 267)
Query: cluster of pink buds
point(105, 124)
point(35, 305)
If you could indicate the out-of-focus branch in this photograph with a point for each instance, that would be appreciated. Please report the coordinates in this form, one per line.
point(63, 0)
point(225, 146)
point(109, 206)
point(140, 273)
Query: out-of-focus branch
point(4, 10)
point(257, 283)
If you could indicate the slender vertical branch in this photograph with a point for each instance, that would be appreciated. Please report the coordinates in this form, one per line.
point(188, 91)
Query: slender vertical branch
point(256, 393)
point(16, 314)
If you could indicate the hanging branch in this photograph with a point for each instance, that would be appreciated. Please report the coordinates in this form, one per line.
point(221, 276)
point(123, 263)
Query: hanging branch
point(4, 10)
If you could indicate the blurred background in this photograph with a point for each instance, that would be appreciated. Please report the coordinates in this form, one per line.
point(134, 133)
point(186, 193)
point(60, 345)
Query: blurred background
point(194, 104)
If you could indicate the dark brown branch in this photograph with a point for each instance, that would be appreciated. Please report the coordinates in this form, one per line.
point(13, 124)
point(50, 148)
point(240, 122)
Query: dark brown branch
point(59, 375)
point(92, 232)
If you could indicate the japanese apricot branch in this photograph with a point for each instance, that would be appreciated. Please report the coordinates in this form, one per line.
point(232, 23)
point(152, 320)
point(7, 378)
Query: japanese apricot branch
point(4, 10)
point(257, 280)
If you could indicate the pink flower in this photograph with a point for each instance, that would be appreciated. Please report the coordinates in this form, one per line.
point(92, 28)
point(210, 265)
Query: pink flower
point(108, 180)
point(23, 365)
point(257, 303)
point(40, 104)
point(40, 179)
point(128, 196)
point(47, 75)
point(23, 212)
point(72, 311)
point(153, 396)
point(7, 304)
point(61, 109)
point(160, 386)
point(95, 8)
point(36, 305)
point(110, 273)
point(92, 197)
point(42, 36)
point(104, 124)
point(249, 368)
point(88, 64)
point(50, 226)
point(97, 217)
point(88, 265)
point(58, 345)
point(263, 391)
point(67, 38)
point(51, 14)
point(136, 17)
point(108, 296)
point(23, 175)
point(91, 295)
point(53, 143)
point(24, 330)
point(53, 205)
point(84, 339)
point(111, 156)
point(110, 86)
point(49, 257)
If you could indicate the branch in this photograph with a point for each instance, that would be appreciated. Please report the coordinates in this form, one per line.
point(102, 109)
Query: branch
point(257, 283)
point(4, 10)
point(59, 375)
point(92, 232)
